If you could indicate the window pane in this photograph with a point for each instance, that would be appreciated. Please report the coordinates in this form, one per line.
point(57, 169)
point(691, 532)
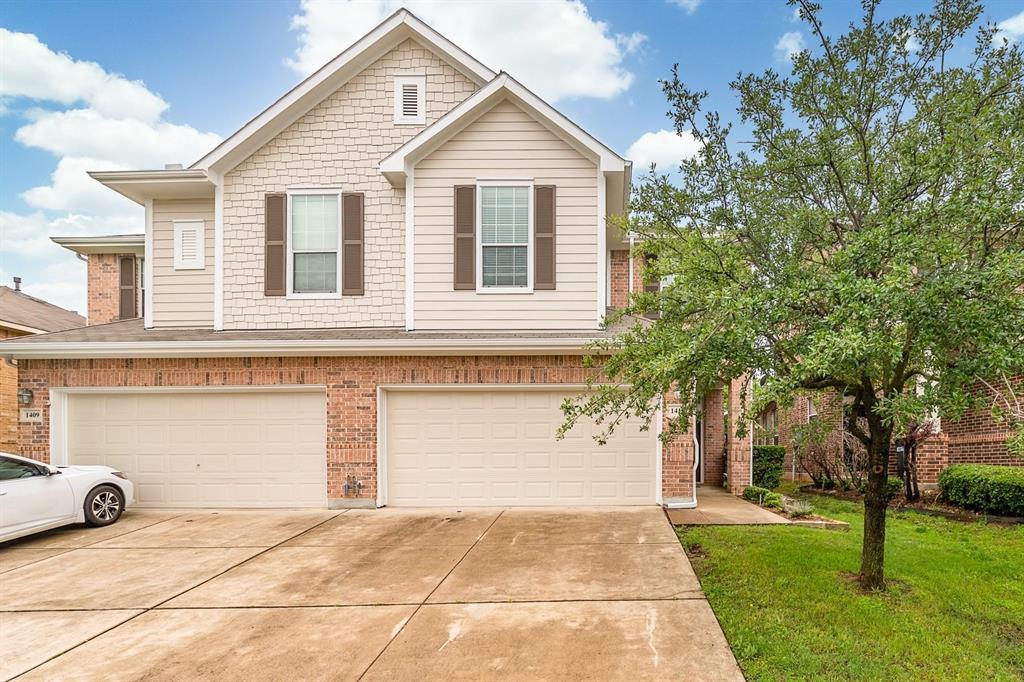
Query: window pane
point(12, 468)
point(314, 222)
point(504, 215)
point(315, 273)
point(505, 266)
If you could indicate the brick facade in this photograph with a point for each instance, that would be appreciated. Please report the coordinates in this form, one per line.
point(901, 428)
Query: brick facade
point(976, 438)
point(677, 459)
point(618, 279)
point(351, 397)
point(8, 399)
point(740, 447)
point(103, 285)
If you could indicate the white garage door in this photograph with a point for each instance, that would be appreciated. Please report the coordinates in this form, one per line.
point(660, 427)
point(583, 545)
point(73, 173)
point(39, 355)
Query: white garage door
point(498, 448)
point(205, 448)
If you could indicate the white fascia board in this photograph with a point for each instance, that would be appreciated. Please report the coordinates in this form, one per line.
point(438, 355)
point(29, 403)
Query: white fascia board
point(304, 348)
point(113, 244)
point(141, 185)
point(393, 166)
point(332, 75)
point(4, 324)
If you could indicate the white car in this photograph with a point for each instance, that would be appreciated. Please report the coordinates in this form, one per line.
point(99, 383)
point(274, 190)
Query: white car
point(35, 496)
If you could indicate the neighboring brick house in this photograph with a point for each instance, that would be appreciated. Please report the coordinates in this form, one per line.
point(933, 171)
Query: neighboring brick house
point(379, 291)
point(976, 438)
point(114, 274)
point(21, 315)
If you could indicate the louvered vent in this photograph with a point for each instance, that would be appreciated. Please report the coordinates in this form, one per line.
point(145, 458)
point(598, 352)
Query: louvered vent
point(410, 100)
point(188, 245)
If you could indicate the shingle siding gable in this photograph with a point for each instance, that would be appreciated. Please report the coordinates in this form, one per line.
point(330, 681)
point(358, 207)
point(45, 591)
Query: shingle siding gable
point(338, 143)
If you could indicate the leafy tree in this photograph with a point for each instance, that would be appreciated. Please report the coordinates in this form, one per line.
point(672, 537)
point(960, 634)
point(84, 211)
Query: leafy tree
point(864, 236)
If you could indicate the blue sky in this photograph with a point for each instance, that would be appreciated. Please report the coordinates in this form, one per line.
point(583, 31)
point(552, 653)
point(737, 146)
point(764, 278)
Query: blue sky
point(207, 67)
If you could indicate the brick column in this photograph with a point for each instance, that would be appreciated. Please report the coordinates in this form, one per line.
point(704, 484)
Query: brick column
point(714, 438)
point(104, 288)
point(740, 452)
point(618, 279)
point(677, 479)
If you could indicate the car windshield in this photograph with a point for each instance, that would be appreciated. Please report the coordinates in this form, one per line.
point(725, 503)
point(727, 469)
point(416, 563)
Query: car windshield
point(12, 468)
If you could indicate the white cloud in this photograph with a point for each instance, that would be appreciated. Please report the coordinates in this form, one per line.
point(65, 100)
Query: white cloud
point(553, 47)
point(29, 234)
point(789, 45)
point(72, 190)
point(913, 45)
point(134, 143)
point(33, 70)
point(61, 284)
point(632, 42)
point(1011, 29)
point(103, 121)
point(663, 148)
point(689, 5)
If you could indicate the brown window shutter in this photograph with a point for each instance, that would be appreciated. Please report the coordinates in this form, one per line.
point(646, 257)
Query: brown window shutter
point(127, 305)
point(352, 244)
point(544, 237)
point(465, 237)
point(275, 242)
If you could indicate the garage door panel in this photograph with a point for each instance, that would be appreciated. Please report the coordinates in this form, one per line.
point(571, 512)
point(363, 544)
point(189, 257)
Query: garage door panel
point(215, 449)
point(499, 447)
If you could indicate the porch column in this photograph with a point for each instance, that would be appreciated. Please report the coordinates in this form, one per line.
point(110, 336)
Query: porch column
point(677, 479)
point(740, 447)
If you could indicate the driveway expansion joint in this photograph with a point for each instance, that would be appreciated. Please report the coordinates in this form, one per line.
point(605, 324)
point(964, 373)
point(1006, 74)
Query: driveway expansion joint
point(399, 630)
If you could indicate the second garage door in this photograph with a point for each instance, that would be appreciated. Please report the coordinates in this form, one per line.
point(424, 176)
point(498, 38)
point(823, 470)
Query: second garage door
point(207, 448)
point(498, 448)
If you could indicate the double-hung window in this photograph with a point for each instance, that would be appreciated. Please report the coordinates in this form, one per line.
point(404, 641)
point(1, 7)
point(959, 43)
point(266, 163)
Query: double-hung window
point(506, 230)
point(314, 220)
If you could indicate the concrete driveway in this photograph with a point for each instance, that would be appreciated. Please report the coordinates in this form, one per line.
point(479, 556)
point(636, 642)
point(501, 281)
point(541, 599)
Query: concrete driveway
point(524, 594)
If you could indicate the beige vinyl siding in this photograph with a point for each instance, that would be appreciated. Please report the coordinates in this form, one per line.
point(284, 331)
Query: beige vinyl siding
point(506, 142)
point(181, 298)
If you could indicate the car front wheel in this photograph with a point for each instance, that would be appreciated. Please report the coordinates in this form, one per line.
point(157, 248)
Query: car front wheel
point(103, 505)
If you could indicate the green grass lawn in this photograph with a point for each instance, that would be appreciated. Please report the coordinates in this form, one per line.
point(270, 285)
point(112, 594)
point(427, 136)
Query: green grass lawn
point(954, 609)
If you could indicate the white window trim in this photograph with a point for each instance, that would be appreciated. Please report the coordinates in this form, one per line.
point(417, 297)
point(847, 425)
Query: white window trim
point(420, 81)
point(289, 290)
point(179, 262)
point(480, 288)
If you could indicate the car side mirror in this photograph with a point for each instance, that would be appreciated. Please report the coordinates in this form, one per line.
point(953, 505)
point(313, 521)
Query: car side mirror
point(50, 470)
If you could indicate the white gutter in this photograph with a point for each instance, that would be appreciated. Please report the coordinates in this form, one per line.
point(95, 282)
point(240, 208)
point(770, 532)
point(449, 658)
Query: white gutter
point(270, 348)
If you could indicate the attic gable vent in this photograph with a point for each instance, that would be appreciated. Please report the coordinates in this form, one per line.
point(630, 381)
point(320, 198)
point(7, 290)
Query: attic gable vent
point(188, 245)
point(410, 100)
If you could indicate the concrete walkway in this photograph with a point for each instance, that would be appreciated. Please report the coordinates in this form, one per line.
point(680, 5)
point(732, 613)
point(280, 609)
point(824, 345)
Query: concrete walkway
point(716, 507)
point(517, 594)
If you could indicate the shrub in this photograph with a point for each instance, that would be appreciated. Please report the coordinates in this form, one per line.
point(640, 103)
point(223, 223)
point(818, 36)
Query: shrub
point(768, 461)
point(985, 487)
point(831, 456)
point(796, 508)
point(763, 497)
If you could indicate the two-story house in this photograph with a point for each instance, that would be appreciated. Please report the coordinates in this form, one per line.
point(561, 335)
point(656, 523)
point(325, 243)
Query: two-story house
point(378, 291)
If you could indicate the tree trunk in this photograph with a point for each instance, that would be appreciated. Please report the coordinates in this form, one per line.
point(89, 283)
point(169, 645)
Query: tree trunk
point(876, 501)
